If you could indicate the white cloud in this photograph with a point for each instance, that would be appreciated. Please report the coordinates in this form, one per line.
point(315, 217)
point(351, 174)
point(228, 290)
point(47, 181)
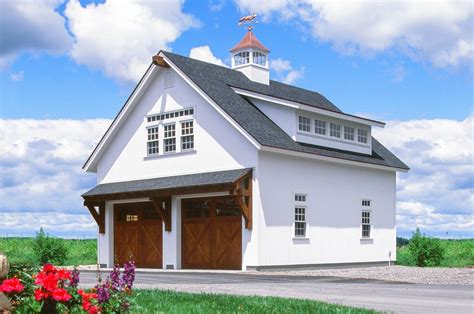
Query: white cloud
point(120, 37)
point(433, 30)
point(285, 72)
point(31, 26)
point(40, 171)
point(438, 193)
point(18, 76)
point(205, 54)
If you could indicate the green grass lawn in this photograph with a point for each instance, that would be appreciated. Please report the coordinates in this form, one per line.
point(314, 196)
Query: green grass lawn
point(457, 253)
point(20, 251)
point(159, 301)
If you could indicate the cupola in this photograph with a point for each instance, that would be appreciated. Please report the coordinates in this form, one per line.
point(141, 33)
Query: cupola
point(250, 57)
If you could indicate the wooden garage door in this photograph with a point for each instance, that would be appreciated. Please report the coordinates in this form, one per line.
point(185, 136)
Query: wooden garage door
point(138, 234)
point(211, 234)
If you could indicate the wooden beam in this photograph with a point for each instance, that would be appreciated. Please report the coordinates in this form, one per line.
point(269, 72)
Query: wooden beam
point(99, 216)
point(163, 211)
point(242, 192)
point(159, 61)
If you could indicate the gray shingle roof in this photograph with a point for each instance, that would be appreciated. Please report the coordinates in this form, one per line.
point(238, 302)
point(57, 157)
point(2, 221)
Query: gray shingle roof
point(217, 82)
point(182, 181)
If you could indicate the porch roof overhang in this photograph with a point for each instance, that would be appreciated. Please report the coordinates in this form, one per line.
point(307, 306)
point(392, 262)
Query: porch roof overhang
point(166, 186)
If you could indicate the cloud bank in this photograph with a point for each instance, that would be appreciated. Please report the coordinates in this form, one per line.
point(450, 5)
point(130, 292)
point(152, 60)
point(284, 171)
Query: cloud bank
point(436, 31)
point(42, 180)
point(117, 37)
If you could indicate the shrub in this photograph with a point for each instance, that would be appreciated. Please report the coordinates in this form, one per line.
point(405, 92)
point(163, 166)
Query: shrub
point(424, 250)
point(48, 249)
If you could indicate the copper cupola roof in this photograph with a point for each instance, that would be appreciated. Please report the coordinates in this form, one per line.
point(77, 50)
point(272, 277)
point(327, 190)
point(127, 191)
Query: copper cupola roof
point(249, 41)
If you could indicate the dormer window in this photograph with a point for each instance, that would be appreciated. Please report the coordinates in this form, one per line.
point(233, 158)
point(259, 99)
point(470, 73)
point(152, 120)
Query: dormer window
point(242, 58)
point(304, 124)
point(335, 130)
point(259, 58)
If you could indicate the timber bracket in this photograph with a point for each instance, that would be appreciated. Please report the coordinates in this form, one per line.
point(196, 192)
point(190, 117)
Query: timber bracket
point(242, 193)
point(98, 214)
point(163, 207)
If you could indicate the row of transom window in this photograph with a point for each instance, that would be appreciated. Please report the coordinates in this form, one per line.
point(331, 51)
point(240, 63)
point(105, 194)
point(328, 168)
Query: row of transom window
point(300, 217)
point(336, 130)
point(170, 141)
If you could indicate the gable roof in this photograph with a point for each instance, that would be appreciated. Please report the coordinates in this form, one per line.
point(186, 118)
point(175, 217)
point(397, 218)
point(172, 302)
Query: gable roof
point(217, 82)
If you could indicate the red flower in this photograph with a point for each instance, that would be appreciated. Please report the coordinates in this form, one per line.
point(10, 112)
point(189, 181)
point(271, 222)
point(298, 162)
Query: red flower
point(49, 268)
point(64, 274)
point(39, 295)
point(48, 281)
point(93, 310)
point(11, 286)
point(61, 295)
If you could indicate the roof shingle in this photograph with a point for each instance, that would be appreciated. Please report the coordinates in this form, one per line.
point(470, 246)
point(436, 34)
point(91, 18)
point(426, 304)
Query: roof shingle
point(217, 82)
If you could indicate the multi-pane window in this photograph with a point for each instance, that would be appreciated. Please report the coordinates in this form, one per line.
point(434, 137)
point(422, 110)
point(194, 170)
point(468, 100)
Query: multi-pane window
point(348, 133)
point(300, 215)
point(152, 141)
point(300, 221)
point(187, 135)
point(304, 124)
point(169, 140)
point(361, 136)
point(242, 58)
point(320, 127)
point(259, 58)
point(365, 224)
point(335, 130)
point(365, 203)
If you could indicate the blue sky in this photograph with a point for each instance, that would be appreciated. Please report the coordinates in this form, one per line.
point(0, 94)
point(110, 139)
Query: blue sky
point(81, 61)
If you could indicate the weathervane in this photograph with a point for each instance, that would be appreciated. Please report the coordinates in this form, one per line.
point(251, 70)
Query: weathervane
point(249, 19)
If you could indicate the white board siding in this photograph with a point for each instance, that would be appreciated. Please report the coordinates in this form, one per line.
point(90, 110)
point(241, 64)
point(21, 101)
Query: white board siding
point(218, 145)
point(333, 213)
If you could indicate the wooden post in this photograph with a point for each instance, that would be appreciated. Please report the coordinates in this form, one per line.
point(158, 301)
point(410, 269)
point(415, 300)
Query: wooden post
point(99, 216)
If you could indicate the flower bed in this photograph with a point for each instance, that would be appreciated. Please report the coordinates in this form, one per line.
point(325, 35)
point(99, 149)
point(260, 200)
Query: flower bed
point(55, 290)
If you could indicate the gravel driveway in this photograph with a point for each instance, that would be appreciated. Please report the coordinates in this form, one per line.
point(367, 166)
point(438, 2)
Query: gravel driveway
point(426, 275)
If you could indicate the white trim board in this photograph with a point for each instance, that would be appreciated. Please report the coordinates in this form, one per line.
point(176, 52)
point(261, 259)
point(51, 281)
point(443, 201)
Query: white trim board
point(330, 159)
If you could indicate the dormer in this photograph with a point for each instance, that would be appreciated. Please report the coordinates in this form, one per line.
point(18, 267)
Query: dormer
point(250, 57)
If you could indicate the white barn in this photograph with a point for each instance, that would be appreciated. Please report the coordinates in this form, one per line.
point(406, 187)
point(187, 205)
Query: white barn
point(208, 167)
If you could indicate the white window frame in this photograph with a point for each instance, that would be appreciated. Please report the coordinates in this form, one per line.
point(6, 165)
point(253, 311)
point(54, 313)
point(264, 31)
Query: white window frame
point(259, 58)
point(349, 133)
point(362, 136)
point(300, 213)
point(167, 138)
point(320, 127)
point(153, 138)
point(335, 130)
point(187, 133)
point(302, 123)
point(242, 58)
point(366, 220)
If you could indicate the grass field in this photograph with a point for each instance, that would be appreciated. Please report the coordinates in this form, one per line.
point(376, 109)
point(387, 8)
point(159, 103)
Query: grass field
point(20, 251)
point(457, 253)
point(158, 301)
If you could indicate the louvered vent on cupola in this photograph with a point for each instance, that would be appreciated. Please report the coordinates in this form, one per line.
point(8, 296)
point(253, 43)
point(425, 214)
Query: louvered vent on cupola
point(169, 79)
